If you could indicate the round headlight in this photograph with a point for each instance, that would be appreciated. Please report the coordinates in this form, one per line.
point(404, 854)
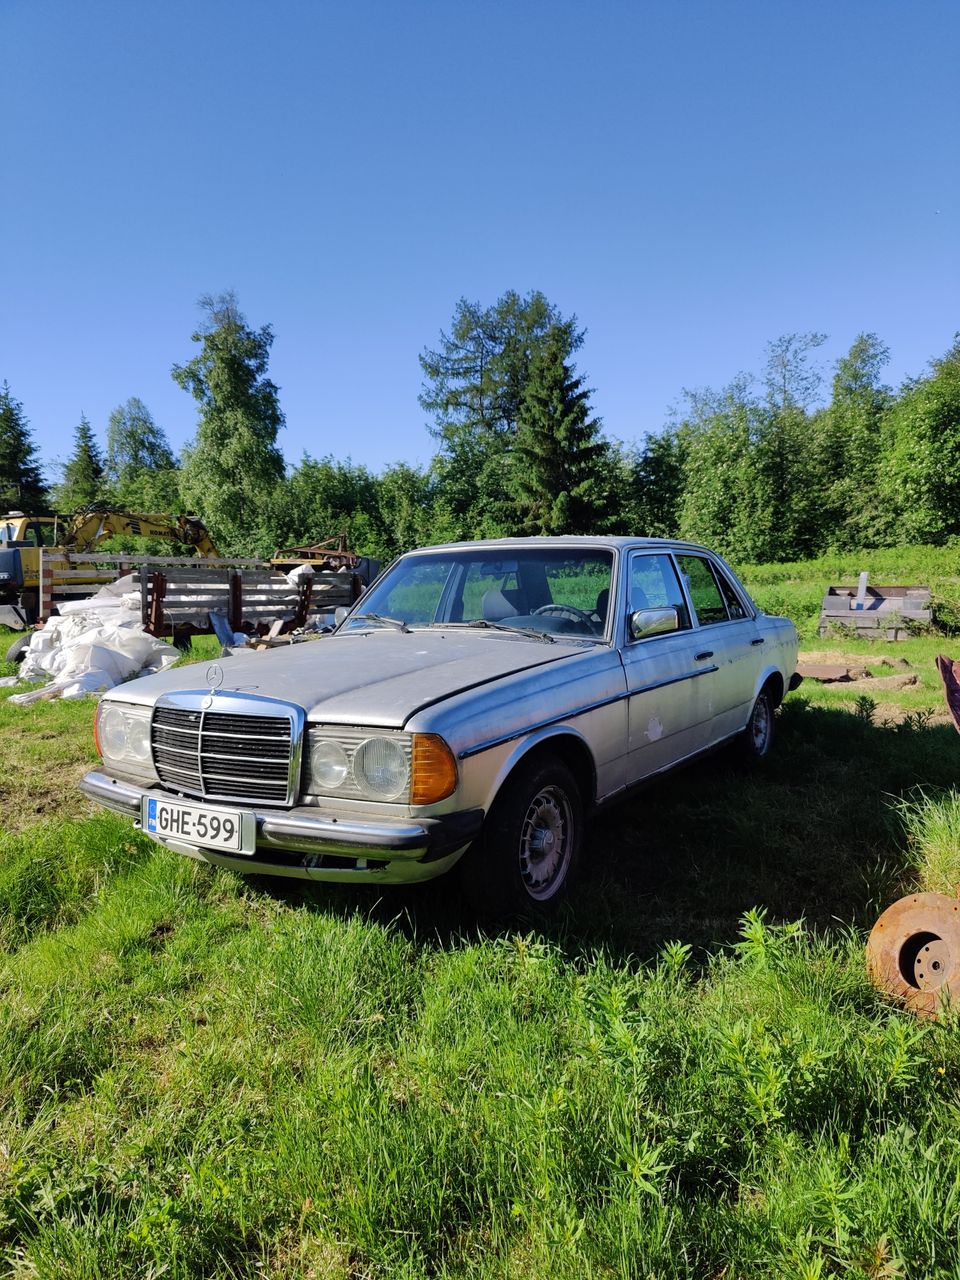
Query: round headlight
point(328, 765)
point(113, 729)
point(138, 737)
point(124, 733)
point(381, 765)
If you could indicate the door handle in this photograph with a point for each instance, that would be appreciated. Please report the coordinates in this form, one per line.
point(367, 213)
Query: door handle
point(759, 640)
point(702, 657)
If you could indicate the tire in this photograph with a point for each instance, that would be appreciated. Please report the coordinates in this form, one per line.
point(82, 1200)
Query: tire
point(757, 738)
point(529, 850)
point(18, 649)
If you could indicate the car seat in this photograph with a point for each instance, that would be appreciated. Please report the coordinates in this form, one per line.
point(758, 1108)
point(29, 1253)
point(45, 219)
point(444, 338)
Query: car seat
point(495, 606)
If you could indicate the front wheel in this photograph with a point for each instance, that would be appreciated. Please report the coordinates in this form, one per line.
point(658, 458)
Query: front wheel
point(758, 736)
point(529, 849)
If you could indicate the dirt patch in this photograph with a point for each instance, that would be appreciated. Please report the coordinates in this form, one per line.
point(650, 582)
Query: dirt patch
point(33, 793)
point(889, 662)
point(889, 714)
point(866, 683)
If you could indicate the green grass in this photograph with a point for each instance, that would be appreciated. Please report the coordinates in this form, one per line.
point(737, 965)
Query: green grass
point(203, 1079)
point(203, 1076)
point(932, 823)
point(687, 1075)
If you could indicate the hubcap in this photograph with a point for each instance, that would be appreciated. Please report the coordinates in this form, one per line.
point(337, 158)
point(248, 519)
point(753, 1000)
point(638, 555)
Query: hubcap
point(760, 725)
point(546, 843)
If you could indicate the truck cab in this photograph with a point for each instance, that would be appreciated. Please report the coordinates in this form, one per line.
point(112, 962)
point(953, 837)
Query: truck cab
point(21, 537)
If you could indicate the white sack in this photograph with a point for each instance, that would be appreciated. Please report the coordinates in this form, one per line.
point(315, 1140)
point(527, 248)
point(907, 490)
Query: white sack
point(94, 645)
point(122, 595)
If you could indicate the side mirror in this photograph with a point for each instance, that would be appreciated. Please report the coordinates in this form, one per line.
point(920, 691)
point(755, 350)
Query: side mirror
point(340, 613)
point(653, 622)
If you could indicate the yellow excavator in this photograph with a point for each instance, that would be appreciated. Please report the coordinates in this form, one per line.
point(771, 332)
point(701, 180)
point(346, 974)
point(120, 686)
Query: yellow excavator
point(24, 537)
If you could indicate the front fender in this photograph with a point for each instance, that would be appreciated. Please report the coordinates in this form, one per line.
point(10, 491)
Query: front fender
point(568, 741)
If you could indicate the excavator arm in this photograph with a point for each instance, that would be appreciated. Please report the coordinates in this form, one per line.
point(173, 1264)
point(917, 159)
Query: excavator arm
point(93, 525)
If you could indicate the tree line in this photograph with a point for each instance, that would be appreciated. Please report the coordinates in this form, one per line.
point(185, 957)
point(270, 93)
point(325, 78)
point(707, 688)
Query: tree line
point(765, 469)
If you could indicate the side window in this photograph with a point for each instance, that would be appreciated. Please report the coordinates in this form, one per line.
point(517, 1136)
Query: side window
point(734, 608)
point(39, 535)
point(654, 585)
point(708, 602)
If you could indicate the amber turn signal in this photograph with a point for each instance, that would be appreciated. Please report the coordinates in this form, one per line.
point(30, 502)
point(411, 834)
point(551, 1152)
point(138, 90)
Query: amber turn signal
point(434, 769)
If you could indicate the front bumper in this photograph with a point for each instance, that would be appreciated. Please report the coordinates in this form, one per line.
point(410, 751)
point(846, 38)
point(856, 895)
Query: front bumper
point(310, 844)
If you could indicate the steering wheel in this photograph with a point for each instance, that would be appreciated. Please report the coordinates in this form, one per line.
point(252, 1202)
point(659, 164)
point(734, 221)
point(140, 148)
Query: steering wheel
point(569, 611)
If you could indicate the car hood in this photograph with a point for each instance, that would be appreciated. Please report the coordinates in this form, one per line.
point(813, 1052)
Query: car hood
point(375, 677)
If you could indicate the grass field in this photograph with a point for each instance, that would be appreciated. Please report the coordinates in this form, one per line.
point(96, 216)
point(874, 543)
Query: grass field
point(688, 1075)
point(797, 590)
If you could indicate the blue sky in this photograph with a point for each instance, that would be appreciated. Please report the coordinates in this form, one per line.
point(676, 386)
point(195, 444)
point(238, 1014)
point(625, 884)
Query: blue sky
point(692, 179)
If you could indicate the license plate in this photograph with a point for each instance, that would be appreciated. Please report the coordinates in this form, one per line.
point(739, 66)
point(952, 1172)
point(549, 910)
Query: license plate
point(202, 825)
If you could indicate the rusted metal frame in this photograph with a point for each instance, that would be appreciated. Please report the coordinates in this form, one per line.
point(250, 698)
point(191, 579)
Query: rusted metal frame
point(304, 592)
point(152, 605)
point(235, 605)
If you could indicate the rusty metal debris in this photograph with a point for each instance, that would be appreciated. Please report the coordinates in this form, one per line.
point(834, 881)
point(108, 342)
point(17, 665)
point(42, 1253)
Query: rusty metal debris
point(330, 554)
point(950, 675)
point(913, 952)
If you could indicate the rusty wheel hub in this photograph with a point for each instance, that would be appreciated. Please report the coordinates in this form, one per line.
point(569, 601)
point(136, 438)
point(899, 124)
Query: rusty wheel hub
point(913, 952)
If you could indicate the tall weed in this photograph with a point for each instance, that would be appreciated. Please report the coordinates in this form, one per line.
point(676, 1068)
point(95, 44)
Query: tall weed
point(932, 824)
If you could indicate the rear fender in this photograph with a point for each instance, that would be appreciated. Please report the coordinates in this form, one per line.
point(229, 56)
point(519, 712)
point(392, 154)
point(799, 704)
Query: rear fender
point(774, 676)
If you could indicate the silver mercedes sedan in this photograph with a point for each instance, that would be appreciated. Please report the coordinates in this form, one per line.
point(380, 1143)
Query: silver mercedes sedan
point(473, 709)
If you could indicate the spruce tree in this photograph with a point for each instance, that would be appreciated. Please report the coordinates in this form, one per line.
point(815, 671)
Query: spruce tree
point(21, 481)
point(82, 483)
point(474, 383)
point(559, 469)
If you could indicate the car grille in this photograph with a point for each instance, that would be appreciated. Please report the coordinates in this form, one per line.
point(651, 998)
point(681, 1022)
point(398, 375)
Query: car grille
point(224, 754)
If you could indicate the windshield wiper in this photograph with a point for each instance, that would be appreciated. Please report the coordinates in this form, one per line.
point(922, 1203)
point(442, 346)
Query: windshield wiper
point(532, 632)
point(380, 617)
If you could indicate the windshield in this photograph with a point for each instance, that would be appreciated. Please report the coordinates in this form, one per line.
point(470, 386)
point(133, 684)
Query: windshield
point(555, 591)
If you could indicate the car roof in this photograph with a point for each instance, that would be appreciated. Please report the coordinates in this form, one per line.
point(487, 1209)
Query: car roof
point(580, 541)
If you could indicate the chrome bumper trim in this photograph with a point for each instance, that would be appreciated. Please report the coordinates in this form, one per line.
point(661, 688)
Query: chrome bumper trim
point(313, 832)
point(122, 797)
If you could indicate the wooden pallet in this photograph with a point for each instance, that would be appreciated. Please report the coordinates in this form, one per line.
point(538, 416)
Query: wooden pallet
point(202, 600)
point(71, 575)
point(178, 594)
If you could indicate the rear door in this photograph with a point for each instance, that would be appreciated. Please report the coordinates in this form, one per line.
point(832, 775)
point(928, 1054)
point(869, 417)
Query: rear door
point(669, 678)
point(728, 634)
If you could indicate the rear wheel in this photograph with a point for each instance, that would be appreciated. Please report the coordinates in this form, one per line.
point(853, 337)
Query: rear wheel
point(529, 849)
point(757, 738)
